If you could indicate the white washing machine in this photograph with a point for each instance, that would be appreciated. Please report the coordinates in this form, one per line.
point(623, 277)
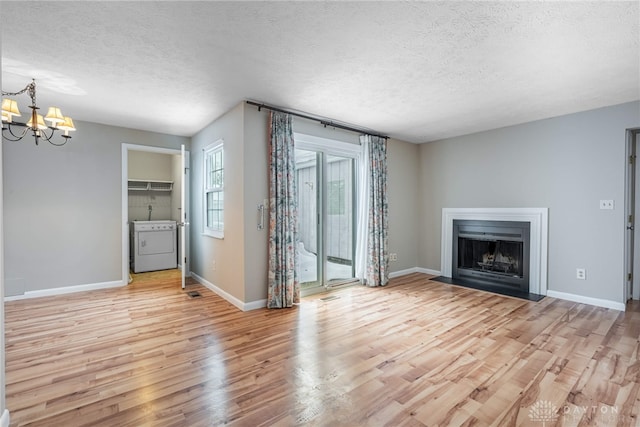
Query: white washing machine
point(153, 245)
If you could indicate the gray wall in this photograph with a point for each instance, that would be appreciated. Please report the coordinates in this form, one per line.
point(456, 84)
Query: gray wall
point(220, 261)
point(236, 264)
point(403, 197)
point(256, 190)
point(63, 207)
point(566, 164)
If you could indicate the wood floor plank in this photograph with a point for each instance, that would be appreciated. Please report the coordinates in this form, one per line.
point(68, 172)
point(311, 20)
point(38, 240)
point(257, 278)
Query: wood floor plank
point(414, 353)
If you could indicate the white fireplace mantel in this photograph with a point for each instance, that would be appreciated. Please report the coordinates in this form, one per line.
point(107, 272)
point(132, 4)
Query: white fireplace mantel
point(538, 233)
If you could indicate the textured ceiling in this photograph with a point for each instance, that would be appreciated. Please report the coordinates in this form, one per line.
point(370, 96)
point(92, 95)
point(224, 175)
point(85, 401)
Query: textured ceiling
point(418, 71)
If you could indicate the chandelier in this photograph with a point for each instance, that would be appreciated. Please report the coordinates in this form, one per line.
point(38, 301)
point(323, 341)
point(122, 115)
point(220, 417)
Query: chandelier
point(15, 131)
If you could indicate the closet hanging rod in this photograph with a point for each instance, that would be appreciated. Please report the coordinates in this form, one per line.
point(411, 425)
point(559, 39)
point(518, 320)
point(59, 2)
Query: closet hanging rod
point(323, 122)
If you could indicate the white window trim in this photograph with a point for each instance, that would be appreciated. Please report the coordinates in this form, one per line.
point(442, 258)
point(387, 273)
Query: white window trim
point(214, 146)
point(331, 146)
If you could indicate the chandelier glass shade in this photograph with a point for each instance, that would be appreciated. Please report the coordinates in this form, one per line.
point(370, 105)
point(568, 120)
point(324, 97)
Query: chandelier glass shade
point(38, 126)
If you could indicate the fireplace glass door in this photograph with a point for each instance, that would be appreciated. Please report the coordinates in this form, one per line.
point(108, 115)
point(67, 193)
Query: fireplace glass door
point(496, 256)
point(492, 252)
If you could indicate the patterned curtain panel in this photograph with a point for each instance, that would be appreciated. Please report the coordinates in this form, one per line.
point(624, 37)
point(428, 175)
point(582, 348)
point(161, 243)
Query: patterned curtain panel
point(284, 287)
point(377, 264)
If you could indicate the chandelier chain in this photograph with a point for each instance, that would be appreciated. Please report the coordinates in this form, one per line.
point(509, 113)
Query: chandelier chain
point(31, 87)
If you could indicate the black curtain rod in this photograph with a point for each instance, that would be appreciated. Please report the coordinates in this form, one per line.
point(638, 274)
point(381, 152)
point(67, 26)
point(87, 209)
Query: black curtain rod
point(325, 123)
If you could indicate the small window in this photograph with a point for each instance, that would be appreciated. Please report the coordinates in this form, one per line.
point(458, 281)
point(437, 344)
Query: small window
point(214, 190)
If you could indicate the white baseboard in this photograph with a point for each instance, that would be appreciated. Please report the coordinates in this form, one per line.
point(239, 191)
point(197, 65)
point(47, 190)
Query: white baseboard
point(255, 305)
point(413, 270)
point(5, 419)
point(402, 272)
point(587, 300)
point(65, 290)
point(428, 271)
point(244, 306)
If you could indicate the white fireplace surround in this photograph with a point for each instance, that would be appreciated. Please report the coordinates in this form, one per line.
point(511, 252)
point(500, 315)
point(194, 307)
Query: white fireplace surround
point(538, 233)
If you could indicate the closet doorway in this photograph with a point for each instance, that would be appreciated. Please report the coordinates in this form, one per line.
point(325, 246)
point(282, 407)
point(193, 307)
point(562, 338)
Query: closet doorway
point(165, 197)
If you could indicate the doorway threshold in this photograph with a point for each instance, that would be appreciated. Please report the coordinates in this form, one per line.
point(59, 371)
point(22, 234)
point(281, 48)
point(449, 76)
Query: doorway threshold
point(326, 290)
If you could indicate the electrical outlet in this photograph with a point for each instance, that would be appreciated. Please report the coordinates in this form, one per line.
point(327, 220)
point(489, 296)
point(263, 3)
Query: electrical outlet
point(581, 274)
point(393, 257)
point(606, 204)
point(213, 265)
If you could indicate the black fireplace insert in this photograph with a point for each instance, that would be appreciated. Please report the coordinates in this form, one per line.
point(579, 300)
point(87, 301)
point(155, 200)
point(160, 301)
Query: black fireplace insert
point(492, 252)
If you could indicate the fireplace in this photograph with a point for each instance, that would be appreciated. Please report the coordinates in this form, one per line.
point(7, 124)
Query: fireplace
point(537, 218)
point(494, 253)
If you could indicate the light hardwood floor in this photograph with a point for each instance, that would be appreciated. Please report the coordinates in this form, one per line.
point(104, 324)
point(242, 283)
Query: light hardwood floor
point(415, 353)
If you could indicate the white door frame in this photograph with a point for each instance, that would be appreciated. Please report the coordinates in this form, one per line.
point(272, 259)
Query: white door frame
point(335, 147)
point(632, 183)
point(183, 225)
point(125, 202)
point(635, 259)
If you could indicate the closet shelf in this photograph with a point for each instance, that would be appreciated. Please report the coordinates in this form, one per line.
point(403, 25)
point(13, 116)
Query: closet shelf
point(149, 185)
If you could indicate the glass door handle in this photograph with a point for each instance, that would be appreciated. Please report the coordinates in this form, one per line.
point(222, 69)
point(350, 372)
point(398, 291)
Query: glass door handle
point(260, 217)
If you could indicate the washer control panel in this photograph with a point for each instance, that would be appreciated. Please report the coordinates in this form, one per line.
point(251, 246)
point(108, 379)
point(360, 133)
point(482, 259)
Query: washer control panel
point(154, 225)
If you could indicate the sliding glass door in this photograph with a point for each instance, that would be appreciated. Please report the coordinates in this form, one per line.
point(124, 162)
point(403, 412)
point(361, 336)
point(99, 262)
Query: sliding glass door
point(339, 219)
point(309, 246)
point(326, 216)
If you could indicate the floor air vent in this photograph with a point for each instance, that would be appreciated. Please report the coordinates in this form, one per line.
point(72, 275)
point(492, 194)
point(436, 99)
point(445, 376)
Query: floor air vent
point(194, 294)
point(329, 298)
